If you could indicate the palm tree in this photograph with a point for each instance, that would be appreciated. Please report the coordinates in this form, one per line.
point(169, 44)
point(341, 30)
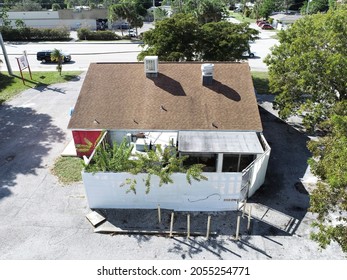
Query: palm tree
point(57, 56)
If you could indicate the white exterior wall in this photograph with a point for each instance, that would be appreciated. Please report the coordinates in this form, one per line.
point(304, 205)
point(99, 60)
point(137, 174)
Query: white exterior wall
point(219, 193)
point(43, 19)
point(259, 168)
point(38, 15)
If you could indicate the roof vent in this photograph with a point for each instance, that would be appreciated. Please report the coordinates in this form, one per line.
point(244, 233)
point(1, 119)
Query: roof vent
point(151, 66)
point(207, 74)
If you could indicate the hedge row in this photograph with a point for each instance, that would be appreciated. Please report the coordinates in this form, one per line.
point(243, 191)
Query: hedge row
point(35, 34)
point(86, 34)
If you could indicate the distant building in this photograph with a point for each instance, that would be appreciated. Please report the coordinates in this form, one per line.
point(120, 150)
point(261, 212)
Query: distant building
point(71, 19)
point(283, 21)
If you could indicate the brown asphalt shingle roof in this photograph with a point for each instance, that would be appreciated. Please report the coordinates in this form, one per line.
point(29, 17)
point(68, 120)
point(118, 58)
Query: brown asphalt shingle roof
point(120, 96)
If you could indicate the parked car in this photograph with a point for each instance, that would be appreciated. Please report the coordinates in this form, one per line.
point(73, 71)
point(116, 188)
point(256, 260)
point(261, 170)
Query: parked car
point(132, 33)
point(261, 22)
point(45, 56)
point(267, 26)
point(248, 54)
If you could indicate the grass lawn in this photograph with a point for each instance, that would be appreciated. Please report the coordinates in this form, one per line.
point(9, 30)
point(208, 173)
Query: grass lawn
point(68, 169)
point(241, 17)
point(261, 82)
point(12, 85)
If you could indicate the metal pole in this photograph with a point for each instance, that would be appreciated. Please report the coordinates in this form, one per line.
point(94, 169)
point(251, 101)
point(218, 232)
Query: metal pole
point(171, 223)
point(159, 214)
point(208, 226)
point(9, 69)
point(188, 225)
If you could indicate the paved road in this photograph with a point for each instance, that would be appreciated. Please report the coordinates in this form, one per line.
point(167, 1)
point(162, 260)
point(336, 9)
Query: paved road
point(85, 53)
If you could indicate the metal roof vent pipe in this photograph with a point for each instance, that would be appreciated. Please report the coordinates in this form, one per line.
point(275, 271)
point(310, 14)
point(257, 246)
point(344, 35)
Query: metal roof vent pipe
point(207, 70)
point(151, 66)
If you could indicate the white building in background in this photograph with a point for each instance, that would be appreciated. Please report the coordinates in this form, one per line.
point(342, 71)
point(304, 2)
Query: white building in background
point(71, 19)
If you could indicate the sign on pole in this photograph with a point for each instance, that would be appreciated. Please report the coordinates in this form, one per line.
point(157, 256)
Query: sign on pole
point(23, 64)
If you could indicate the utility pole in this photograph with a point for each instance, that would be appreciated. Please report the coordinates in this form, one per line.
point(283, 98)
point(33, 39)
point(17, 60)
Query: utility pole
point(154, 11)
point(9, 69)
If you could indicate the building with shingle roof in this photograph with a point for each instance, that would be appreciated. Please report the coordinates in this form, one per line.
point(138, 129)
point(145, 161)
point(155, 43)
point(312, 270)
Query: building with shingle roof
point(207, 111)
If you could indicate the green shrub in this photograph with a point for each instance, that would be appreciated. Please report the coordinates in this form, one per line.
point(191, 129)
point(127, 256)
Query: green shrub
point(86, 34)
point(35, 34)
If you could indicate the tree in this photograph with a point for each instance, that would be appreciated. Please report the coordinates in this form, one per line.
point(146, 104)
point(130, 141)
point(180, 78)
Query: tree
point(206, 10)
point(4, 17)
point(20, 23)
point(173, 39)
point(27, 5)
point(308, 69)
point(133, 12)
point(224, 41)
point(313, 7)
point(57, 56)
point(329, 199)
point(160, 13)
point(182, 38)
point(56, 7)
point(266, 8)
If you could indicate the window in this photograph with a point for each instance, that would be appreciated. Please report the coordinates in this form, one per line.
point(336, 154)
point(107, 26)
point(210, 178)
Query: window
point(209, 160)
point(236, 162)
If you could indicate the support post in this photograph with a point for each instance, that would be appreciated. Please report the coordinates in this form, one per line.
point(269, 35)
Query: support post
point(208, 226)
point(237, 227)
point(159, 214)
point(171, 223)
point(188, 225)
point(244, 208)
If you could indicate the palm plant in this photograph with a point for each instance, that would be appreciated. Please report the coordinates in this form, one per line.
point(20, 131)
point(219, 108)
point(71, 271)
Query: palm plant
point(57, 56)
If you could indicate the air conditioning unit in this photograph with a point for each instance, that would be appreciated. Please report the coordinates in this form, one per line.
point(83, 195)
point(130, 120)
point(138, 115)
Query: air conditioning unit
point(151, 66)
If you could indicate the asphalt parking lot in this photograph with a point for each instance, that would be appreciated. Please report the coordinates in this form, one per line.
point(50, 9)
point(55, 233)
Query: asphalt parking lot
point(42, 219)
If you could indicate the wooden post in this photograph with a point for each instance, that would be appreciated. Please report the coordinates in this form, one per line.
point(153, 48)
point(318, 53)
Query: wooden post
point(208, 226)
point(188, 225)
point(249, 218)
point(21, 72)
point(244, 209)
point(171, 223)
point(159, 214)
point(237, 227)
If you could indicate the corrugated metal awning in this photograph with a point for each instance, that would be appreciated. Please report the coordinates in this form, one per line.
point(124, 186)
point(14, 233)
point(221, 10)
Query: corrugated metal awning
point(219, 142)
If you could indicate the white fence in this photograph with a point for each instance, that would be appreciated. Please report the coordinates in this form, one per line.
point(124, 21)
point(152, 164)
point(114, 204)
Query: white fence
point(220, 193)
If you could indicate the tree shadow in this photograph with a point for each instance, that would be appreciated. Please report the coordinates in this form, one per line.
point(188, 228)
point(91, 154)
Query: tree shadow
point(284, 191)
point(26, 137)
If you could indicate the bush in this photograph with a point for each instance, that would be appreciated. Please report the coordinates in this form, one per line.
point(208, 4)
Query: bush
point(35, 34)
point(86, 34)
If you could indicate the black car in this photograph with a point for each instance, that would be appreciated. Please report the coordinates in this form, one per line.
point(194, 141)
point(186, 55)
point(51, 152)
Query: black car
point(45, 56)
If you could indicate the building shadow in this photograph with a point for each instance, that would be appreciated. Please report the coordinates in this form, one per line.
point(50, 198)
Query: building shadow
point(169, 85)
point(225, 90)
point(284, 192)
